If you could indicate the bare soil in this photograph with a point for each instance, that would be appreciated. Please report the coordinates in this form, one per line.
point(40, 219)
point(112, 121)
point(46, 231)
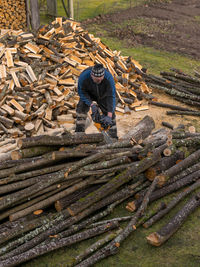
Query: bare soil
point(173, 27)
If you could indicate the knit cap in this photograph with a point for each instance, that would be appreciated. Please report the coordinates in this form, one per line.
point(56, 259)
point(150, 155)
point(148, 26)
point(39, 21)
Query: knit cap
point(98, 70)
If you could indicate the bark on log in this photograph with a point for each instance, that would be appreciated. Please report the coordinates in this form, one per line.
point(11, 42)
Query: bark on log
point(46, 140)
point(31, 152)
point(188, 113)
point(115, 183)
point(113, 246)
point(165, 105)
point(159, 237)
point(57, 243)
point(164, 164)
point(171, 204)
point(46, 180)
point(48, 201)
point(94, 247)
point(169, 188)
point(185, 163)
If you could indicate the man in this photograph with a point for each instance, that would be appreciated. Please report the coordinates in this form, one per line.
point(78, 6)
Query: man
point(96, 88)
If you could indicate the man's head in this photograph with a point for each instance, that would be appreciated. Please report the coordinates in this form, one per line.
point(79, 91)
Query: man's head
point(97, 73)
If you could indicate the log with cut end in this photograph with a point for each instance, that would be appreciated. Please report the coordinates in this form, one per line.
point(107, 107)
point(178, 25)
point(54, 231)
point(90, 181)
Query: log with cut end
point(161, 236)
point(141, 130)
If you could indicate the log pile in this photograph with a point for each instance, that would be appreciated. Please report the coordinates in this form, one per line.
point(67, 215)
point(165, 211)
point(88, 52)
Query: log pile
point(56, 190)
point(39, 74)
point(181, 86)
point(12, 14)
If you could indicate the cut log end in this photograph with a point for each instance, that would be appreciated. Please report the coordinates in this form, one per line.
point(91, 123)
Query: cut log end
point(131, 206)
point(57, 206)
point(16, 155)
point(150, 174)
point(154, 239)
point(161, 180)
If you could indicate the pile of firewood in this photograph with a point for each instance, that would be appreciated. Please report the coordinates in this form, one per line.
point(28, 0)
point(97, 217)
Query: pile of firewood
point(60, 186)
point(182, 87)
point(12, 14)
point(39, 74)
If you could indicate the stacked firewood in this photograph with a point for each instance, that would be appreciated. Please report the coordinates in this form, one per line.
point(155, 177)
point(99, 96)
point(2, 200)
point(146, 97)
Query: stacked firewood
point(39, 74)
point(181, 86)
point(12, 14)
point(85, 179)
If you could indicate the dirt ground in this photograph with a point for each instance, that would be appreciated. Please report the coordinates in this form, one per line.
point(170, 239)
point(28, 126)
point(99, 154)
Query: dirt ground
point(173, 27)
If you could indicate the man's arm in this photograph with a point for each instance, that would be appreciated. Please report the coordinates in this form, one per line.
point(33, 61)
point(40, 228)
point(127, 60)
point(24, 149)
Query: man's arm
point(84, 96)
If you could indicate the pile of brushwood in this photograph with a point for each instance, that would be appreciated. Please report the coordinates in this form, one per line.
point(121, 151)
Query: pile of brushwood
point(183, 87)
point(53, 199)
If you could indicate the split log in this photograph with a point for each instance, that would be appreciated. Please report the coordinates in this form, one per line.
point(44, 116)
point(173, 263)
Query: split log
point(161, 236)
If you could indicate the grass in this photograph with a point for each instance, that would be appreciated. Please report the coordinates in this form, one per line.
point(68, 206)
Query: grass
point(182, 250)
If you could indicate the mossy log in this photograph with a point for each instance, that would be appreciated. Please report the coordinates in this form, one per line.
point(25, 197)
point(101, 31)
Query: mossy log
point(161, 236)
point(180, 112)
point(165, 105)
point(48, 201)
point(115, 183)
point(57, 243)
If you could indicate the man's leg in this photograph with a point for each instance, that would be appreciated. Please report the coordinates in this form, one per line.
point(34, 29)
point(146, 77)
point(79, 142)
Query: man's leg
point(81, 116)
point(113, 130)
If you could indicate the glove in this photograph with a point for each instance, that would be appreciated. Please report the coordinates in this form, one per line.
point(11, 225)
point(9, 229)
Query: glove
point(106, 122)
point(95, 113)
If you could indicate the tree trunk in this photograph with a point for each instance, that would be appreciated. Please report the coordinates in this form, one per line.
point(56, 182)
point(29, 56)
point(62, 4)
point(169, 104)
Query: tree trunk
point(141, 130)
point(64, 140)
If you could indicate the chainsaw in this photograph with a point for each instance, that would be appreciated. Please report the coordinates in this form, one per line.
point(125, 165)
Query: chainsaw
point(102, 130)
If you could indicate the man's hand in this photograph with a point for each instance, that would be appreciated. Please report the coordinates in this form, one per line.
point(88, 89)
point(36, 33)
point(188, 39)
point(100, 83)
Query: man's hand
point(106, 122)
point(95, 113)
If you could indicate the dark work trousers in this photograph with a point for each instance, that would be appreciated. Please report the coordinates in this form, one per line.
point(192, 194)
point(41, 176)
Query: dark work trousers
point(81, 113)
